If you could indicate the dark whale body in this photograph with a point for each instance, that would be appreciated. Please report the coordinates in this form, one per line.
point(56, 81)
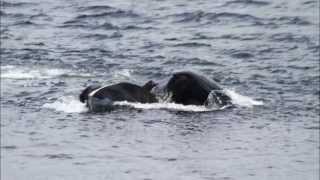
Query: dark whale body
point(101, 99)
point(189, 88)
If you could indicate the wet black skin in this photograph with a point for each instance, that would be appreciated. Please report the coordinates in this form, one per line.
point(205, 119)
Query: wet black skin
point(122, 92)
point(189, 88)
point(83, 97)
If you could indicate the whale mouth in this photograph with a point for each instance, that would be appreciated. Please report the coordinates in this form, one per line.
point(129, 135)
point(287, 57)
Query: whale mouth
point(217, 99)
point(99, 105)
point(166, 97)
point(161, 92)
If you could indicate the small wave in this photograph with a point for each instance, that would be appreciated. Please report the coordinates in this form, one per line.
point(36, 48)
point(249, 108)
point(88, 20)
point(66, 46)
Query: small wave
point(289, 37)
point(13, 72)
point(105, 26)
point(247, 3)
point(104, 11)
point(309, 2)
point(291, 20)
point(87, 25)
point(41, 16)
point(189, 16)
point(233, 15)
point(14, 15)
point(242, 37)
point(102, 36)
point(96, 50)
point(9, 147)
point(242, 55)
point(300, 67)
point(35, 44)
point(116, 13)
point(95, 36)
point(135, 27)
point(59, 156)
point(96, 8)
point(68, 104)
point(241, 100)
point(194, 61)
point(192, 44)
point(25, 23)
point(197, 16)
point(16, 4)
point(92, 16)
point(314, 48)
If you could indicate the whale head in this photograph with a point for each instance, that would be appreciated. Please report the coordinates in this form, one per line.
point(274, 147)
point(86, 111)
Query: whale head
point(83, 97)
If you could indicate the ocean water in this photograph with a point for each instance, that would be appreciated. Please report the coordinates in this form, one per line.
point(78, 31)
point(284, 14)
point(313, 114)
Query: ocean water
point(264, 53)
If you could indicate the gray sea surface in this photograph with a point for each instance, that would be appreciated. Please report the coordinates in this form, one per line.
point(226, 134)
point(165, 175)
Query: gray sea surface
point(265, 53)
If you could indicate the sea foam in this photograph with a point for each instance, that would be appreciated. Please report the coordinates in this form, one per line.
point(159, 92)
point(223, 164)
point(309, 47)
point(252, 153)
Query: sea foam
point(70, 104)
point(67, 104)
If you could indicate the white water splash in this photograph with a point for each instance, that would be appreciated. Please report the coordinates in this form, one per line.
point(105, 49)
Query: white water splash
point(241, 100)
point(68, 104)
point(237, 99)
point(165, 105)
point(14, 72)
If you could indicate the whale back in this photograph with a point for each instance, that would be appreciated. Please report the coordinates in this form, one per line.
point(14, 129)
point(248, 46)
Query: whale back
point(100, 99)
point(126, 92)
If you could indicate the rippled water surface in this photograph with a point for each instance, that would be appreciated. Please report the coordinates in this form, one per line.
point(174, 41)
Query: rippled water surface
point(265, 53)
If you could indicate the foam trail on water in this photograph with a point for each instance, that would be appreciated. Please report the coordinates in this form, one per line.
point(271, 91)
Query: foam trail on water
point(241, 100)
point(68, 104)
point(165, 105)
point(13, 72)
